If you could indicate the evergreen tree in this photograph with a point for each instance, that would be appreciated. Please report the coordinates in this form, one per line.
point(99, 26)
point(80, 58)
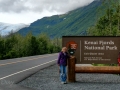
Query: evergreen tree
point(108, 24)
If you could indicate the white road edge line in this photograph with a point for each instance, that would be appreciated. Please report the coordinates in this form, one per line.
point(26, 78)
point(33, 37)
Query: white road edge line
point(26, 70)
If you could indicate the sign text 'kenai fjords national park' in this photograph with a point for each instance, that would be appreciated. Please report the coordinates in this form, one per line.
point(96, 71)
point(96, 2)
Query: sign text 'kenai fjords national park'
point(88, 49)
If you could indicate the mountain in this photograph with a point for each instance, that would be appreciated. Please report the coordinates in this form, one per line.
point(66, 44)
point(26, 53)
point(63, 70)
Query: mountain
point(75, 22)
point(6, 28)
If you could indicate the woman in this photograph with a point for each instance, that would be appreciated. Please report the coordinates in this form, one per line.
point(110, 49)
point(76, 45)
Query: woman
point(62, 62)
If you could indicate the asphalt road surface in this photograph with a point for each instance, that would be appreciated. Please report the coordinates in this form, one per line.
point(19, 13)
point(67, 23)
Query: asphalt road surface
point(13, 71)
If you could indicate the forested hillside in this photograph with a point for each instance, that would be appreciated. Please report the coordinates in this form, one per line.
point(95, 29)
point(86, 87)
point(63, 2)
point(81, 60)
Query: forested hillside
point(75, 22)
point(109, 23)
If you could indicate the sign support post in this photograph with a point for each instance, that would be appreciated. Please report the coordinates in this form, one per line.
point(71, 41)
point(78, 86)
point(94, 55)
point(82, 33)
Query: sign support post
point(71, 77)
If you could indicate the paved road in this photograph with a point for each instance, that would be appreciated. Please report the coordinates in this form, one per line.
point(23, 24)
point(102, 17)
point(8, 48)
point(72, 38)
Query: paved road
point(13, 71)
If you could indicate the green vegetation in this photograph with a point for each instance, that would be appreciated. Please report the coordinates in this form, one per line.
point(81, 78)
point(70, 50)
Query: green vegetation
point(15, 45)
point(109, 23)
point(105, 64)
point(75, 22)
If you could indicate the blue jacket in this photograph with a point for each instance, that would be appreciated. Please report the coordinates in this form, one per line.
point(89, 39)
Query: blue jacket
point(62, 58)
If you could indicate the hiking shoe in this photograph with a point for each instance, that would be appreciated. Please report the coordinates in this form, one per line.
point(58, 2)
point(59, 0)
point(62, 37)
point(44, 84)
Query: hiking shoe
point(62, 83)
point(65, 82)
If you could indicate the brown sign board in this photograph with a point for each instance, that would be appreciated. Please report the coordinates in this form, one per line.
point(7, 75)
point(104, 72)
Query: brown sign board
point(89, 49)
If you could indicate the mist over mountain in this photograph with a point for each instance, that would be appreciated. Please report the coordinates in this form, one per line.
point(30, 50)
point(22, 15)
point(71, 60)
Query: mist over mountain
point(6, 28)
point(75, 22)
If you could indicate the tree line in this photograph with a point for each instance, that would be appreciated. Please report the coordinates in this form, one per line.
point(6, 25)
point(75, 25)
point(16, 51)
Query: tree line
point(15, 45)
point(109, 23)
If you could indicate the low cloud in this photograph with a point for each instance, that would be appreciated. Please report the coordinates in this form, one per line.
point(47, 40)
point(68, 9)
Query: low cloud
point(62, 6)
point(27, 11)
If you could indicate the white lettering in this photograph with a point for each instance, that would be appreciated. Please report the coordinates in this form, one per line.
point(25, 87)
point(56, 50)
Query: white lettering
point(111, 48)
point(94, 48)
point(106, 42)
point(91, 42)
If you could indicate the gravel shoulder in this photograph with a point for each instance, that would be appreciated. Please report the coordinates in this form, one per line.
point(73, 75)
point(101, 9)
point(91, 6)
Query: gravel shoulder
point(48, 79)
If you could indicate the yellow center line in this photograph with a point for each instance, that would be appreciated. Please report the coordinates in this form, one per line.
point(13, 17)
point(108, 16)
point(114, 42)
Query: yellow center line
point(24, 60)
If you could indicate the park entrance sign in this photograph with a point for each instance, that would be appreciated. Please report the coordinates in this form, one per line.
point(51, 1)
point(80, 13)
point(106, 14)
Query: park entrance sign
point(89, 50)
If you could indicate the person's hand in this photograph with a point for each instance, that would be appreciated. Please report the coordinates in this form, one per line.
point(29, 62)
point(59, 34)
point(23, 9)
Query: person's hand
point(71, 56)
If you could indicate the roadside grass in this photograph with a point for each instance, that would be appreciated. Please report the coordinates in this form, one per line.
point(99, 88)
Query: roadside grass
point(105, 64)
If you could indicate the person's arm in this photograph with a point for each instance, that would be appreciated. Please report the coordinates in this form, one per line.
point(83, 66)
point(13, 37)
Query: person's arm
point(58, 61)
point(69, 56)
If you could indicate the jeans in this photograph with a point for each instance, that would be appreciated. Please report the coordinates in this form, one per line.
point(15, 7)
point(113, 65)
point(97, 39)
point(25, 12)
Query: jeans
point(63, 73)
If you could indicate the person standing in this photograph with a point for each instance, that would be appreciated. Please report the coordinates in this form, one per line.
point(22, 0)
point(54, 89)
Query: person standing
point(62, 63)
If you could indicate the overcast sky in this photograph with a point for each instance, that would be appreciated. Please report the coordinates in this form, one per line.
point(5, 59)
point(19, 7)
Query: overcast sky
point(27, 11)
